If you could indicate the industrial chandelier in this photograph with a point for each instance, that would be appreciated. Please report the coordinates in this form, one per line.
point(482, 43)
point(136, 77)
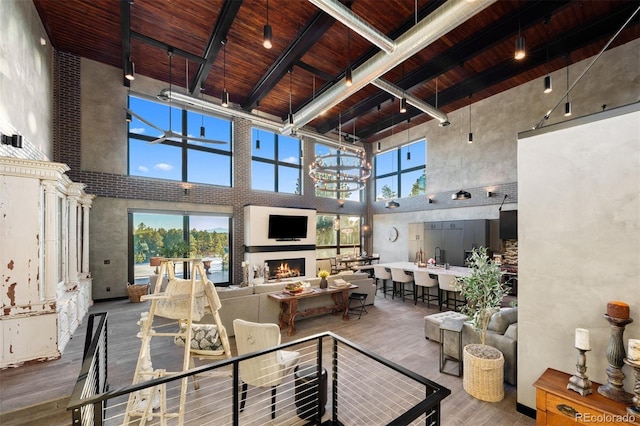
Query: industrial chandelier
point(340, 171)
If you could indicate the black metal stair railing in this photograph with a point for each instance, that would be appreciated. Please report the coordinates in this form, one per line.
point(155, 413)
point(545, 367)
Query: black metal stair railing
point(353, 387)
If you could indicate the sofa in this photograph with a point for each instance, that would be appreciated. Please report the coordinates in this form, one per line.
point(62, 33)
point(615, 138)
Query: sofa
point(502, 334)
point(252, 303)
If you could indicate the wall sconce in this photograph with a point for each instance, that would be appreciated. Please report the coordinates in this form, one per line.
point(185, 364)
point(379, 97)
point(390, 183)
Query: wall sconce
point(341, 203)
point(186, 191)
point(13, 140)
point(489, 194)
point(430, 200)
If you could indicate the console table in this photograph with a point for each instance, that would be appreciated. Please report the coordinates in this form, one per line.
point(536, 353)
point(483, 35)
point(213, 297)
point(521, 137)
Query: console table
point(289, 305)
point(557, 405)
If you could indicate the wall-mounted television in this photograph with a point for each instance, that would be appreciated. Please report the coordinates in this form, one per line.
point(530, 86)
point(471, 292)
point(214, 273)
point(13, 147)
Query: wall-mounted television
point(509, 225)
point(287, 228)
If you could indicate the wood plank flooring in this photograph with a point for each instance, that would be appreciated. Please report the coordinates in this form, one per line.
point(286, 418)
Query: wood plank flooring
point(391, 328)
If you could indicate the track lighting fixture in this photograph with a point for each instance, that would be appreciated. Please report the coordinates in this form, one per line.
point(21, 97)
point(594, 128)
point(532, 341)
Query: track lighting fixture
point(267, 33)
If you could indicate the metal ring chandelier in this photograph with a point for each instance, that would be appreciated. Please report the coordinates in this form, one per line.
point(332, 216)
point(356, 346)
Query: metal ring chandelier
point(340, 171)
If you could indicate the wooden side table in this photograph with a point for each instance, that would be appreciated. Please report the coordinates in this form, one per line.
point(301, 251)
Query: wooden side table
point(557, 405)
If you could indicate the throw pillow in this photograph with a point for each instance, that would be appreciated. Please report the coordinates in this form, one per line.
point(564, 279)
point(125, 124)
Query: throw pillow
point(502, 319)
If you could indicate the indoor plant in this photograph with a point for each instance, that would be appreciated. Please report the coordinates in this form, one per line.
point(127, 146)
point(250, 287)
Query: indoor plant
point(483, 290)
point(323, 274)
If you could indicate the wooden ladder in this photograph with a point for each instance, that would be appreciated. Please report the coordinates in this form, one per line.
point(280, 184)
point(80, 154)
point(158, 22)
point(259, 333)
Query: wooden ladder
point(143, 372)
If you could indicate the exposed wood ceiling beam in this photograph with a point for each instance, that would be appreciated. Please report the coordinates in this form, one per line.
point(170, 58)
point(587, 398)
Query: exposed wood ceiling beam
point(218, 35)
point(167, 47)
point(317, 25)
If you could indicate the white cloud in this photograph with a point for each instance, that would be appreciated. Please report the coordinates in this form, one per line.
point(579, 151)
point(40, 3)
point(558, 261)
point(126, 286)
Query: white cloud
point(138, 130)
point(163, 166)
point(143, 169)
point(291, 159)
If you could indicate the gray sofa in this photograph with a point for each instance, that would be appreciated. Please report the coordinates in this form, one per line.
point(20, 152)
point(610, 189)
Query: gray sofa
point(502, 334)
point(252, 303)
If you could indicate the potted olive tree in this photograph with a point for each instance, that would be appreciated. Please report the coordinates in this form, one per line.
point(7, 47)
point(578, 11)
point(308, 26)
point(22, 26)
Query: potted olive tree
point(483, 290)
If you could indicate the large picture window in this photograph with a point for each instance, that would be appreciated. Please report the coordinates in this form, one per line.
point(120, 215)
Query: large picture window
point(337, 235)
point(400, 172)
point(178, 159)
point(177, 235)
point(275, 162)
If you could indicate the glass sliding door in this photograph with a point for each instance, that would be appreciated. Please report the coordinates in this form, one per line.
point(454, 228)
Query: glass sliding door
point(179, 235)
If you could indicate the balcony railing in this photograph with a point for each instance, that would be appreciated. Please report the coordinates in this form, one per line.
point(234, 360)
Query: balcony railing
point(362, 388)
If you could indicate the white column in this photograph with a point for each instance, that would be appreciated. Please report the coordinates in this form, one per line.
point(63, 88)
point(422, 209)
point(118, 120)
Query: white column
point(75, 191)
point(50, 275)
point(86, 201)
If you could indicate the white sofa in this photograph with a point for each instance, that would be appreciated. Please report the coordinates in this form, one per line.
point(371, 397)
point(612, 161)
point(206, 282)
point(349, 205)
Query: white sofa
point(253, 303)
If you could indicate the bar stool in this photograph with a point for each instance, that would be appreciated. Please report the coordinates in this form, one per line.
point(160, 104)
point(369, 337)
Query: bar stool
point(382, 273)
point(425, 281)
point(398, 275)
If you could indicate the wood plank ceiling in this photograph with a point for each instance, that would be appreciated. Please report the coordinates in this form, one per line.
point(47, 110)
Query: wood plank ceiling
point(219, 42)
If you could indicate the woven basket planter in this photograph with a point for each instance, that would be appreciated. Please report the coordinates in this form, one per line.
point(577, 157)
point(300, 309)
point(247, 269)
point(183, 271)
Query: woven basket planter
point(483, 378)
point(135, 291)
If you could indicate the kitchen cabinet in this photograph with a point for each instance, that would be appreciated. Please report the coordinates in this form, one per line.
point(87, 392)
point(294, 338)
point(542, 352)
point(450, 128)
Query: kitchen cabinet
point(448, 241)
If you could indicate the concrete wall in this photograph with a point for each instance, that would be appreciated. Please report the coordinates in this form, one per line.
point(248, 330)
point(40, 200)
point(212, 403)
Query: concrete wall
point(579, 241)
point(26, 75)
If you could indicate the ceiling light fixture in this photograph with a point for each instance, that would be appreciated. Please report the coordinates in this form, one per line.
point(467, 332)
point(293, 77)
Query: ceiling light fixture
point(267, 33)
point(258, 128)
point(225, 95)
point(548, 86)
point(403, 105)
point(567, 105)
point(392, 204)
point(408, 139)
point(202, 130)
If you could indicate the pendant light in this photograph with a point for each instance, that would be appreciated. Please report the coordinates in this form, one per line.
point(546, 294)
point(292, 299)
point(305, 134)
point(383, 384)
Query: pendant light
point(348, 79)
point(470, 139)
point(520, 52)
point(258, 128)
point(461, 195)
point(392, 204)
point(225, 95)
point(202, 130)
point(548, 87)
point(130, 70)
point(408, 139)
point(567, 105)
point(267, 33)
point(290, 92)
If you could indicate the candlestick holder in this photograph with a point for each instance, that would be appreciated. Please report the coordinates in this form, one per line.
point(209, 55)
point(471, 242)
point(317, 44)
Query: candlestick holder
point(615, 356)
point(635, 408)
point(579, 382)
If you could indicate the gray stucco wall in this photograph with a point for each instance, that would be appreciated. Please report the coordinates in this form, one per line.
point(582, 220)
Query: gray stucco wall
point(578, 242)
point(26, 75)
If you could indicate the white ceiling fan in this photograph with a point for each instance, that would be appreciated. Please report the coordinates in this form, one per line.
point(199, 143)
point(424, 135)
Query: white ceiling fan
point(170, 134)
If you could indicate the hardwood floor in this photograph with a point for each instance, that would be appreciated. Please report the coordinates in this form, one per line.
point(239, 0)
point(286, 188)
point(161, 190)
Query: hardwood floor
point(391, 328)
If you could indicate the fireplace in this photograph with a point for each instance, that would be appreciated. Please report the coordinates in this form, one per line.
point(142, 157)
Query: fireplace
point(286, 268)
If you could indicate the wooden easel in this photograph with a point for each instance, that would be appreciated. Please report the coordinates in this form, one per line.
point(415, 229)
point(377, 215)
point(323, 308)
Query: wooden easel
point(183, 294)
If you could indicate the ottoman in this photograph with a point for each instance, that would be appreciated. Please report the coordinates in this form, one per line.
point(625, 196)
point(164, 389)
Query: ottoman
point(432, 323)
point(449, 348)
